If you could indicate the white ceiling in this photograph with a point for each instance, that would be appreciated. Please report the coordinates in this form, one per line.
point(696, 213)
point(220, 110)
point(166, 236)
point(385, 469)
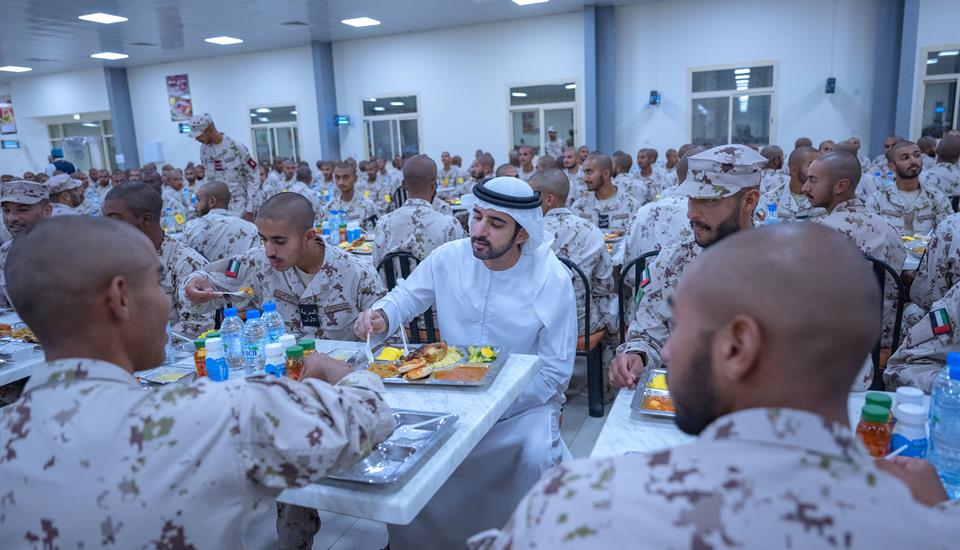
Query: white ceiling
point(47, 36)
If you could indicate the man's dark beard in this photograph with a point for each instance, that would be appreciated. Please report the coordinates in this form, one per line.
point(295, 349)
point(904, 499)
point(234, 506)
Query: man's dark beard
point(905, 176)
point(494, 253)
point(726, 228)
point(696, 404)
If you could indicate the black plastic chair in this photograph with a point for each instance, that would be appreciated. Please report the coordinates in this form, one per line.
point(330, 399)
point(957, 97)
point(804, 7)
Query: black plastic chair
point(591, 348)
point(637, 265)
point(407, 262)
point(955, 202)
point(398, 197)
point(881, 269)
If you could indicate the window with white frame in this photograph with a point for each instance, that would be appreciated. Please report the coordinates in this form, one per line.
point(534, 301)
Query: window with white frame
point(938, 113)
point(391, 126)
point(275, 132)
point(535, 109)
point(88, 144)
point(732, 104)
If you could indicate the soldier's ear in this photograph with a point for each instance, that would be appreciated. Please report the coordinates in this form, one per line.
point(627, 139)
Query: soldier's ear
point(736, 348)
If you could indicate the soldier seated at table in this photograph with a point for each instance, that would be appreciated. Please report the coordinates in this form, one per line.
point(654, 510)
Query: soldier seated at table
point(762, 377)
point(215, 232)
point(923, 353)
point(91, 460)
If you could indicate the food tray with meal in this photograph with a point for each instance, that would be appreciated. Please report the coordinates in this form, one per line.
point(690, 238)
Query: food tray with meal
point(653, 395)
point(916, 244)
point(411, 443)
point(438, 364)
point(359, 246)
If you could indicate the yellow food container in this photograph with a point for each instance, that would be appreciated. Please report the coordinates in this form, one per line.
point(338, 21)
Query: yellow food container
point(389, 354)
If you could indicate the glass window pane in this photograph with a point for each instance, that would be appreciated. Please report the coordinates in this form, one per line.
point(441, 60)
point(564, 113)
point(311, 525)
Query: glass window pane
point(751, 119)
point(382, 143)
point(743, 78)
point(107, 128)
point(939, 99)
point(296, 143)
point(270, 115)
point(710, 118)
point(82, 129)
point(261, 141)
point(562, 120)
point(547, 93)
point(376, 106)
point(943, 62)
point(409, 137)
point(77, 151)
point(526, 129)
point(284, 143)
point(54, 131)
point(111, 154)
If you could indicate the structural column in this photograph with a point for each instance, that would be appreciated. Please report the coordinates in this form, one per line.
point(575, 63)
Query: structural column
point(599, 73)
point(121, 117)
point(326, 91)
point(908, 65)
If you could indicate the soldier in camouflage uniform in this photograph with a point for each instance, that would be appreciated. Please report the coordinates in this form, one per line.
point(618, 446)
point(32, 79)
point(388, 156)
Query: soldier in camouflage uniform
point(215, 233)
point(582, 243)
point(319, 290)
point(139, 205)
point(172, 196)
point(24, 203)
point(348, 199)
point(940, 269)
point(791, 203)
point(225, 160)
point(908, 206)
point(92, 460)
point(64, 195)
point(923, 353)
point(775, 463)
point(944, 177)
point(771, 177)
point(416, 227)
point(604, 205)
point(723, 185)
point(624, 180)
point(571, 169)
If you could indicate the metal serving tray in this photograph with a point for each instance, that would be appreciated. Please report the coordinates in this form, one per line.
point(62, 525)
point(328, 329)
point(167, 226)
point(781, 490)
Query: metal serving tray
point(398, 455)
point(493, 368)
point(643, 392)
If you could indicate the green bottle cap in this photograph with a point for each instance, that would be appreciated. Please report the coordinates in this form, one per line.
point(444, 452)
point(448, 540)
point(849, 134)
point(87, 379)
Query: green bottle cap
point(875, 413)
point(308, 344)
point(214, 334)
point(881, 399)
point(200, 343)
point(294, 351)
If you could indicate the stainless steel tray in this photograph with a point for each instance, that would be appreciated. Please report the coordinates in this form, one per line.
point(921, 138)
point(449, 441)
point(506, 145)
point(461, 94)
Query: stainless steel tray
point(395, 457)
point(643, 392)
point(493, 369)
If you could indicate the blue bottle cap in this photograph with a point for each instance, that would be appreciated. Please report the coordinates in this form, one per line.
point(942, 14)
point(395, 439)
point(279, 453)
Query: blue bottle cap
point(772, 207)
point(253, 314)
point(269, 306)
point(953, 365)
point(230, 312)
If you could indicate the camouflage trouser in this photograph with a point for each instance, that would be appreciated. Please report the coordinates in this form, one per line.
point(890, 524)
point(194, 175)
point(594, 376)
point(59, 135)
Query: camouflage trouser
point(11, 392)
point(296, 526)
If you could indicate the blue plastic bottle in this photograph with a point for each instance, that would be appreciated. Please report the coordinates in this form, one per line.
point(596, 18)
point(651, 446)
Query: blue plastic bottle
point(231, 331)
point(254, 343)
point(772, 216)
point(273, 322)
point(944, 419)
point(217, 369)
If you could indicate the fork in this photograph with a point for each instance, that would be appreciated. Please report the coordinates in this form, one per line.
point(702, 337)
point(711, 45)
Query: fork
point(368, 351)
point(403, 337)
point(237, 293)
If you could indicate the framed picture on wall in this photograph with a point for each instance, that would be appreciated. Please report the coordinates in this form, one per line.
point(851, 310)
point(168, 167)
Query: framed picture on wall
point(178, 92)
point(531, 122)
point(8, 122)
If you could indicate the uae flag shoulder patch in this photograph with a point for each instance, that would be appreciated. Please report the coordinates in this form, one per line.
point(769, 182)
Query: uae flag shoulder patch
point(644, 282)
point(940, 321)
point(233, 269)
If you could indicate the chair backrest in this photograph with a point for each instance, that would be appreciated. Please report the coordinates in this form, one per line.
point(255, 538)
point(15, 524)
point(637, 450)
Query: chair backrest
point(578, 273)
point(637, 265)
point(955, 202)
point(407, 262)
point(398, 197)
point(882, 269)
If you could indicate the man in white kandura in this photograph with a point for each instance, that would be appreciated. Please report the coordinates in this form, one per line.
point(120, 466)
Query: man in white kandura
point(503, 287)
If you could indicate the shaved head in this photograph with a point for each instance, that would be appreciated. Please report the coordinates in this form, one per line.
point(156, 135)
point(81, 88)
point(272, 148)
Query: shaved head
point(949, 149)
point(802, 155)
point(553, 182)
point(892, 151)
point(546, 162)
point(774, 154)
point(292, 208)
point(507, 170)
point(218, 190)
point(736, 349)
point(304, 174)
point(802, 142)
point(487, 163)
point(683, 165)
point(601, 162)
point(419, 174)
point(137, 197)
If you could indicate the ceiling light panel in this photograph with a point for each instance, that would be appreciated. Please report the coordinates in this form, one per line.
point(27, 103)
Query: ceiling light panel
point(109, 56)
point(223, 40)
point(360, 22)
point(104, 18)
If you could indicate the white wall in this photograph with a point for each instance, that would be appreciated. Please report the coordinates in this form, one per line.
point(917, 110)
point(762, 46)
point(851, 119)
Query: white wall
point(226, 87)
point(37, 98)
point(462, 76)
point(937, 26)
point(658, 42)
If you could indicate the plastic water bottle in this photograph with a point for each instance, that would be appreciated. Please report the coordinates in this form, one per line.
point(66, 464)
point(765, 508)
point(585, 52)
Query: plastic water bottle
point(276, 360)
point(326, 231)
point(231, 331)
point(168, 351)
point(216, 363)
point(273, 322)
point(166, 221)
point(772, 216)
point(944, 449)
point(254, 343)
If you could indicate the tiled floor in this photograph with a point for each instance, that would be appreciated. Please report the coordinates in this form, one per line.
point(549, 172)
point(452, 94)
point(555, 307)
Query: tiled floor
point(579, 431)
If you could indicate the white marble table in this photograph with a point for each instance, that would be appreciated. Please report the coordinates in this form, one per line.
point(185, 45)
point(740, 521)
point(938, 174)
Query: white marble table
point(399, 503)
point(628, 430)
point(11, 372)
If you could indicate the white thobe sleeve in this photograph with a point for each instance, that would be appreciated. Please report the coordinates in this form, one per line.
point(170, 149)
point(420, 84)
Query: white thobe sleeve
point(411, 297)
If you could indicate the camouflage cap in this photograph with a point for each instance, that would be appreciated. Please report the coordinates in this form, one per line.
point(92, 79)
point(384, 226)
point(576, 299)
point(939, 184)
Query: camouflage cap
point(721, 172)
point(61, 183)
point(199, 123)
point(23, 192)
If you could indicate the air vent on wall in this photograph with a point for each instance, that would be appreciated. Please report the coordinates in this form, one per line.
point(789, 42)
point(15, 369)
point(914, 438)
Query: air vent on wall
point(295, 24)
point(148, 44)
point(41, 60)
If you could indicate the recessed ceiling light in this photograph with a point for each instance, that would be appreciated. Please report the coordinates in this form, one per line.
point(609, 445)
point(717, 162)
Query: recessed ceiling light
point(263, 110)
point(527, 2)
point(741, 77)
point(263, 119)
point(947, 53)
point(571, 86)
point(223, 40)
point(741, 71)
point(360, 22)
point(90, 124)
point(109, 56)
point(253, 114)
point(294, 113)
point(518, 94)
point(396, 103)
point(933, 61)
point(76, 117)
point(371, 99)
point(15, 69)
point(104, 18)
point(379, 108)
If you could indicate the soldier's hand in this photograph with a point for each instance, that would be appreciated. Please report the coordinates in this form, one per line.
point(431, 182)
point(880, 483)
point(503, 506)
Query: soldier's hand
point(625, 369)
point(919, 475)
point(323, 367)
point(370, 322)
point(199, 291)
